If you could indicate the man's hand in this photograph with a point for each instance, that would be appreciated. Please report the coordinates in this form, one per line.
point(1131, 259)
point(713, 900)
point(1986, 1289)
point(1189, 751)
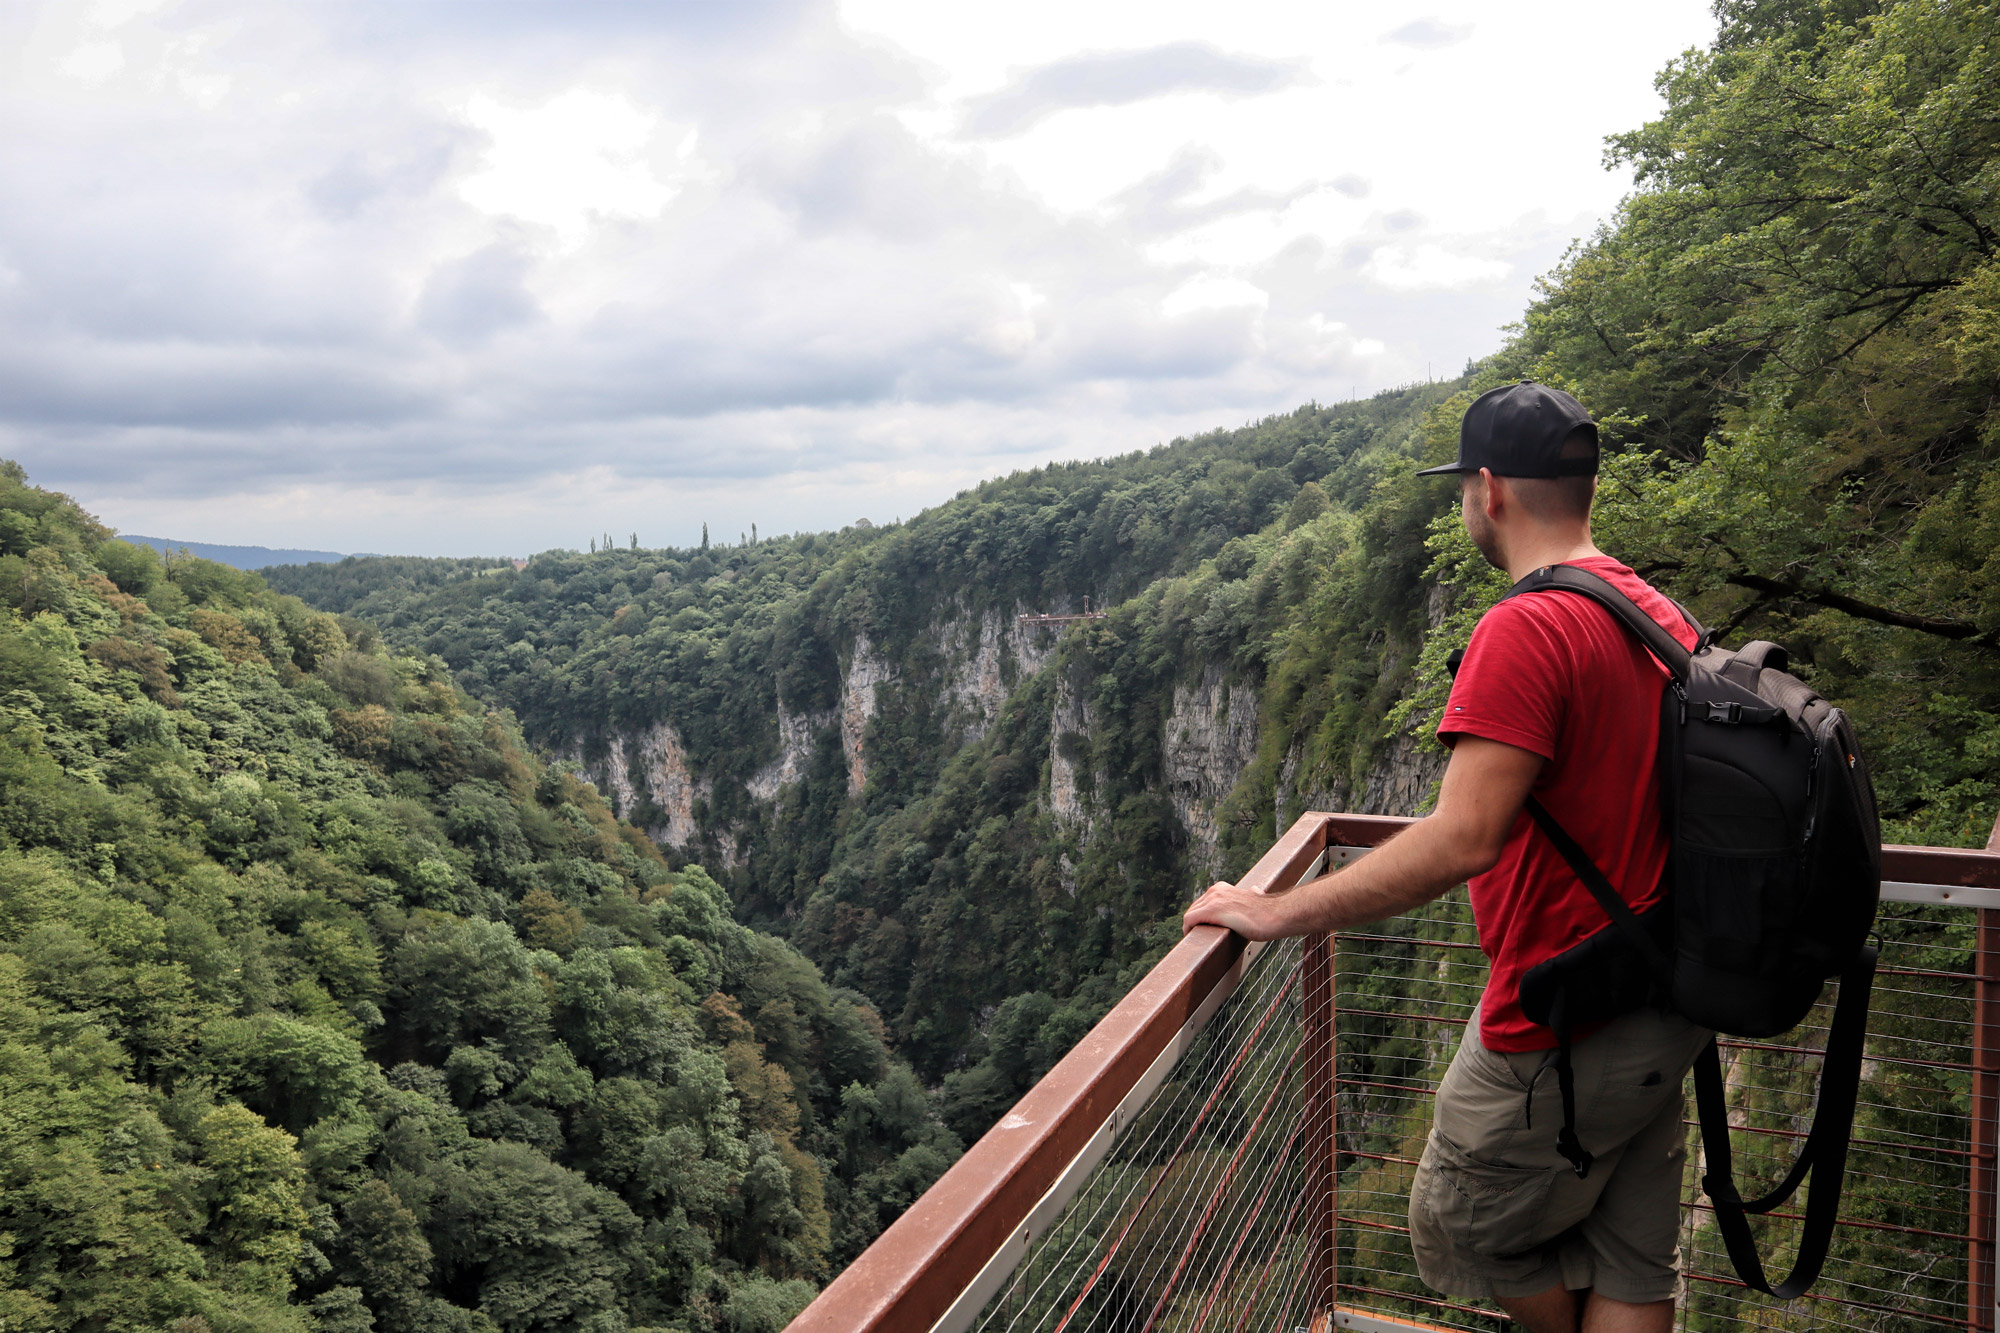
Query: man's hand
point(1253, 915)
point(1485, 785)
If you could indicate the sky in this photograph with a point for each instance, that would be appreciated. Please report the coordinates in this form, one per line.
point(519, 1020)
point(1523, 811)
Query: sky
point(492, 277)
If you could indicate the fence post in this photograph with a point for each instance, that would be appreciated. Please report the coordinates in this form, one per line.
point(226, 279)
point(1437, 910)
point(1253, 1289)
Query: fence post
point(1980, 1284)
point(1317, 1069)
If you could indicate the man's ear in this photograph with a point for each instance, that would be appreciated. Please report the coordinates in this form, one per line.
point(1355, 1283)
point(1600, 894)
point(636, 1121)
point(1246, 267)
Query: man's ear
point(1491, 501)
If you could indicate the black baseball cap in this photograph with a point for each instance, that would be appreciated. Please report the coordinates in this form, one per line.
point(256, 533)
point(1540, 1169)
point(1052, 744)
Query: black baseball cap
point(1518, 430)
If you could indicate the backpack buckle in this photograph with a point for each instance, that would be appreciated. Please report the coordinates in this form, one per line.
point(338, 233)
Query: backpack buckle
point(1731, 712)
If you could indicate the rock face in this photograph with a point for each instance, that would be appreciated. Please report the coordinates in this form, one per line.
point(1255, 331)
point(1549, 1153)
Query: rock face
point(795, 745)
point(1400, 780)
point(986, 659)
point(975, 663)
point(1069, 733)
point(1210, 738)
point(866, 669)
point(982, 660)
point(663, 775)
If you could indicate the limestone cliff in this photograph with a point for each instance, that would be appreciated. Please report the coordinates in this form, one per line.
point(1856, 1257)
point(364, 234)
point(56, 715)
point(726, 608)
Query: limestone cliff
point(795, 745)
point(1400, 781)
point(1069, 735)
point(1210, 738)
point(986, 658)
point(968, 666)
point(866, 671)
point(654, 764)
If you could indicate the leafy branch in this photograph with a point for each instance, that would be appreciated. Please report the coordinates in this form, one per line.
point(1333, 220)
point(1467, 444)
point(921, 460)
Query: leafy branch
point(1945, 627)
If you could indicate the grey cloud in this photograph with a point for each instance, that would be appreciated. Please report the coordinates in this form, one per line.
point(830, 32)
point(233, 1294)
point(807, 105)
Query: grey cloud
point(1160, 204)
point(364, 175)
point(272, 294)
point(583, 26)
point(1310, 277)
point(191, 388)
point(870, 174)
point(1117, 78)
point(1429, 34)
point(471, 299)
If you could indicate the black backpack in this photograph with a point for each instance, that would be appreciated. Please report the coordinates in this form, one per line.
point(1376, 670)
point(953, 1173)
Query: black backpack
point(1774, 872)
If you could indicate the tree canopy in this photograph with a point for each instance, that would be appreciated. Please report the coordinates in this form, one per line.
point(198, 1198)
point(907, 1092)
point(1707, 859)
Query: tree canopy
point(328, 1005)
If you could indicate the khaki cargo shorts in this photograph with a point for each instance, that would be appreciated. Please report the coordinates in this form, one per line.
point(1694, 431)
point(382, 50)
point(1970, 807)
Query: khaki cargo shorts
point(1496, 1212)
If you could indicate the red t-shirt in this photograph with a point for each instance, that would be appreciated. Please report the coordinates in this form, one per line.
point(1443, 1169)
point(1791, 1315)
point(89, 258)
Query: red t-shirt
point(1552, 672)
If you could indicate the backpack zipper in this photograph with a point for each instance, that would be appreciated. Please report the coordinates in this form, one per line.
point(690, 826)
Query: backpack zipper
point(1812, 808)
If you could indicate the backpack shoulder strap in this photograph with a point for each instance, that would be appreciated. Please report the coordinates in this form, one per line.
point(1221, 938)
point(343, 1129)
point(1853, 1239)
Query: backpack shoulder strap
point(1601, 889)
point(1673, 655)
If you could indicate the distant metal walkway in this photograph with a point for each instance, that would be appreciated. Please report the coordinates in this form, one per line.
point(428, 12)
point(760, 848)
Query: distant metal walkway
point(1047, 618)
point(1231, 1146)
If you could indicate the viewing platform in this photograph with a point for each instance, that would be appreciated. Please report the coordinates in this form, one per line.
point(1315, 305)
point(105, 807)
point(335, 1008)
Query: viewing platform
point(1231, 1146)
point(1052, 618)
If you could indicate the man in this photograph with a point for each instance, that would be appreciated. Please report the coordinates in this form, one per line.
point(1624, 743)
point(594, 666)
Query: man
point(1554, 699)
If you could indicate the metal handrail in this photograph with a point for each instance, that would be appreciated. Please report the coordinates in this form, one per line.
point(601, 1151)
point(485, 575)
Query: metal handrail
point(937, 1265)
point(919, 1268)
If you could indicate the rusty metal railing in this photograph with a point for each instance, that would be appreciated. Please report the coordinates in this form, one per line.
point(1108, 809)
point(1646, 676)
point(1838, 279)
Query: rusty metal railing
point(1231, 1145)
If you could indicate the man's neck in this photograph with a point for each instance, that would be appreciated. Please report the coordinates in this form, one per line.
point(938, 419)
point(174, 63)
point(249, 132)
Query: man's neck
point(1548, 548)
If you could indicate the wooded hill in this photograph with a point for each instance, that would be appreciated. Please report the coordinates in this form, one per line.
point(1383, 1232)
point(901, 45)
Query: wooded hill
point(1218, 549)
point(324, 1004)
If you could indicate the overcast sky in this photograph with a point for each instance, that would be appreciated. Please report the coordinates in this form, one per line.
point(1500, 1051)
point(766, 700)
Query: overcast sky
point(489, 276)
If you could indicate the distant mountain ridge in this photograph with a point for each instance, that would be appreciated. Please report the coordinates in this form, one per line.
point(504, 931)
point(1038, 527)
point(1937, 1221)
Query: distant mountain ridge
point(238, 557)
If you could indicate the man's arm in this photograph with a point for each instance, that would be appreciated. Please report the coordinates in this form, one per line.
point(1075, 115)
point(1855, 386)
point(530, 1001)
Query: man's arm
point(1485, 785)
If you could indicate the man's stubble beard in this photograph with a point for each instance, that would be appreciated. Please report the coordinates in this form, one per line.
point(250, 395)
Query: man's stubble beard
point(1480, 528)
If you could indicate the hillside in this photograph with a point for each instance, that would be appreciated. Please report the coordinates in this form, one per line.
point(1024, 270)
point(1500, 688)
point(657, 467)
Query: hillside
point(328, 1006)
point(856, 733)
point(1788, 327)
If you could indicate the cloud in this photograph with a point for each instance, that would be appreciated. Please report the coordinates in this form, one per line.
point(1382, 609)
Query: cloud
point(1429, 34)
point(366, 275)
point(1171, 199)
point(469, 300)
point(575, 158)
point(1430, 267)
point(1212, 291)
point(1118, 78)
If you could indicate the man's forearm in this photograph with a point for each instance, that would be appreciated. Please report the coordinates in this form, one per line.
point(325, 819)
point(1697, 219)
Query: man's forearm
point(1479, 801)
point(1421, 863)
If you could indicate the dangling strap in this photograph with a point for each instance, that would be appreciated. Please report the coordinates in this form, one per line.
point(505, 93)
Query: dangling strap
point(1615, 907)
point(1824, 1156)
point(1567, 1143)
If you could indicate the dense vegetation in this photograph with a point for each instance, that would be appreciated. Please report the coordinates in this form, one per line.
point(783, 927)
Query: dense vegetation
point(1218, 547)
point(324, 1005)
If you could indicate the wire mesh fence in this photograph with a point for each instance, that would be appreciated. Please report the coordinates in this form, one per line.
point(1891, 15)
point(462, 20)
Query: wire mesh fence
point(1406, 989)
point(1210, 1210)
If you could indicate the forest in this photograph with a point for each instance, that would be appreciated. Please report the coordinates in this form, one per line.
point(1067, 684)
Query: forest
point(328, 1006)
point(338, 999)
